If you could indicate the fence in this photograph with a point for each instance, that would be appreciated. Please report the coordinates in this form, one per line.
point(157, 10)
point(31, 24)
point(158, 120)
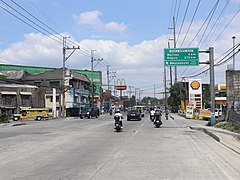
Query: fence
point(234, 117)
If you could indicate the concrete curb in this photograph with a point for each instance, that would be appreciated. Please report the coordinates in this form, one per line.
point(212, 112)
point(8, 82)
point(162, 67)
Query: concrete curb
point(207, 132)
point(19, 124)
point(218, 139)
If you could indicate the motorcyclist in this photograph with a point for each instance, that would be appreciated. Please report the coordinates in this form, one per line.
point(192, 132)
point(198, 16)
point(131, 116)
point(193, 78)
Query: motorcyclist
point(166, 114)
point(118, 113)
point(152, 113)
point(158, 115)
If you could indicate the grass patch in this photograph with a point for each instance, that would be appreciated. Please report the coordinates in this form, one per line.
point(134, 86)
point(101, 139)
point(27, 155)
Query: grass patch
point(4, 118)
point(228, 126)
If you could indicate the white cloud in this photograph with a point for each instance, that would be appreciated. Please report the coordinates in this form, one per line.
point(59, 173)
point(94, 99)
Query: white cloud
point(141, 65)
point(36, 49)
point(92, 19)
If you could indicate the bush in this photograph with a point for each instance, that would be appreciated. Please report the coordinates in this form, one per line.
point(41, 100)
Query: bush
point(4, 118)
point(228, 126)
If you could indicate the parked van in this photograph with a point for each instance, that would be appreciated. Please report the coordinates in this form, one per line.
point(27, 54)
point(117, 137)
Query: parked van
point(32, 113)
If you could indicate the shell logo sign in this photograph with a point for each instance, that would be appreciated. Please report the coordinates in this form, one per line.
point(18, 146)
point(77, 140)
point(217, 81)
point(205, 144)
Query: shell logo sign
point(195, 92)
point(195, 85)
point(121, 85)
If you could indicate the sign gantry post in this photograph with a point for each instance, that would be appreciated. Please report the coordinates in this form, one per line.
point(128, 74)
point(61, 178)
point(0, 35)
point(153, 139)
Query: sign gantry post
point(190, 57)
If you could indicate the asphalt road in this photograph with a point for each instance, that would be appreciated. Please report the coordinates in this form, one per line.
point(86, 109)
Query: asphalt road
point(85, 149)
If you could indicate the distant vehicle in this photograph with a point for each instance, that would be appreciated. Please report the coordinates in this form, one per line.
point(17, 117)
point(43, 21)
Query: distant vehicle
point(133, 114)
point(141, 109)
point(89, 112)
point(32, 113)
point(218, 112)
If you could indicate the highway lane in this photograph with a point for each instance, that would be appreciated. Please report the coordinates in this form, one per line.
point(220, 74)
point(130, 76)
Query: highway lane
point(74, 148)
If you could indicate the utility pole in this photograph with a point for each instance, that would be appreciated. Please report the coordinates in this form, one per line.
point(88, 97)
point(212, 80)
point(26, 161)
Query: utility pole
point(108, 78)
point(175, 44)
point(65, 48)
point(165, 89)
point(170, 69)
point(92, 60)
point(212, 84)
point(108, 93)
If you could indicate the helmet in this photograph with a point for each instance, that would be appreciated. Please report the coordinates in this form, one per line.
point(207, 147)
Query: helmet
point(117, 118)
point(117, 111)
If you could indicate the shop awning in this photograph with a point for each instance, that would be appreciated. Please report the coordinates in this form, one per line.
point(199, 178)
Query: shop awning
point(26, 93)
point(8, 92)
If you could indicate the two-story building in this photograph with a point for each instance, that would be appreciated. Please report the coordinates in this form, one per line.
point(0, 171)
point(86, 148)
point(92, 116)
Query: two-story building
point(76, 88)
point(43, 85)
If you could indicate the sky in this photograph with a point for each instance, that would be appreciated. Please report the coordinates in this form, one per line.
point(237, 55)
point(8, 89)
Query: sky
point(129, 35)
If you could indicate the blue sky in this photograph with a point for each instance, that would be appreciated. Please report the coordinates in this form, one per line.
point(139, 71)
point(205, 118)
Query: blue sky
point(129, 35)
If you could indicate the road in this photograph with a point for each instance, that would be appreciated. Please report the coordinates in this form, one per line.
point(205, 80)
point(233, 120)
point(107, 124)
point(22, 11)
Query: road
point(88, 149)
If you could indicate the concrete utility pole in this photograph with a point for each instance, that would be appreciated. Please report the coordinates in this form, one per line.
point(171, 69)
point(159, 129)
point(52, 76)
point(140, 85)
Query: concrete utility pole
point(65, 48)
point(212, 84)
point(92, 60)
point(165, 89)
point(170, 69)
point(175, 44)
point(108, 78)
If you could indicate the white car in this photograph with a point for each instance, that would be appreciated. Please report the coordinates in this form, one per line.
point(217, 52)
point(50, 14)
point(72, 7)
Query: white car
point(218, 112)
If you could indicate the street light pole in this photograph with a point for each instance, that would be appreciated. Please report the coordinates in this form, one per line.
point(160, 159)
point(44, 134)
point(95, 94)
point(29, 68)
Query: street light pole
point(233, 38)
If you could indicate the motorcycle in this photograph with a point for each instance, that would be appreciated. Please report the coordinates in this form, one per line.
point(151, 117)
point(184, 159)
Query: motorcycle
point(110, 112)
point(152, 117)
point(117, 124)
point(158, 123)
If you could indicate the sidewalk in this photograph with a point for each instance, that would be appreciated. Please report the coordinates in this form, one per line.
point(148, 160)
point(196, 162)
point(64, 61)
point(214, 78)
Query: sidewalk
point(229, 139)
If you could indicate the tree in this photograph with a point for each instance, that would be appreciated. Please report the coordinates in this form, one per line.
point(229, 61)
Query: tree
point(177, 93)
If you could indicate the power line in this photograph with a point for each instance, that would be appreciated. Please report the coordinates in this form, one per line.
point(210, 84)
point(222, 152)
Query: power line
point(29, 24)
point(214, 27)
point(226, 26)
point(210, 18)
point(195, 12)
point(184, 17)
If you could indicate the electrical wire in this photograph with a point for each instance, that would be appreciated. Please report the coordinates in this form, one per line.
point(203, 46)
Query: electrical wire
point(184, 17)
point(208, 17)
point(226, 26)
point(215, 25)
point(195, 12)
point(208, 23)
point(29, 24)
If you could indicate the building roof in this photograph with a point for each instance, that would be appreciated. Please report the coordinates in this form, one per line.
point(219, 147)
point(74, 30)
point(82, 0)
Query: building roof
point(14, 74)
point(57, 74)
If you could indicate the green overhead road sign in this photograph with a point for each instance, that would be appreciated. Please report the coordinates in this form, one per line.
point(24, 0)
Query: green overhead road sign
point(181, 57)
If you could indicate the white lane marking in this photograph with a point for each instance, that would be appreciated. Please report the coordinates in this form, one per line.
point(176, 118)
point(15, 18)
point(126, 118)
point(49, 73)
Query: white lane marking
point(135, 132)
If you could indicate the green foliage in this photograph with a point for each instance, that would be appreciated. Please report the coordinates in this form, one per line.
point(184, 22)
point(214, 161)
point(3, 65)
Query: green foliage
point(152, 101)
point(177, 93)
point(4, 118)
point(228, 126)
